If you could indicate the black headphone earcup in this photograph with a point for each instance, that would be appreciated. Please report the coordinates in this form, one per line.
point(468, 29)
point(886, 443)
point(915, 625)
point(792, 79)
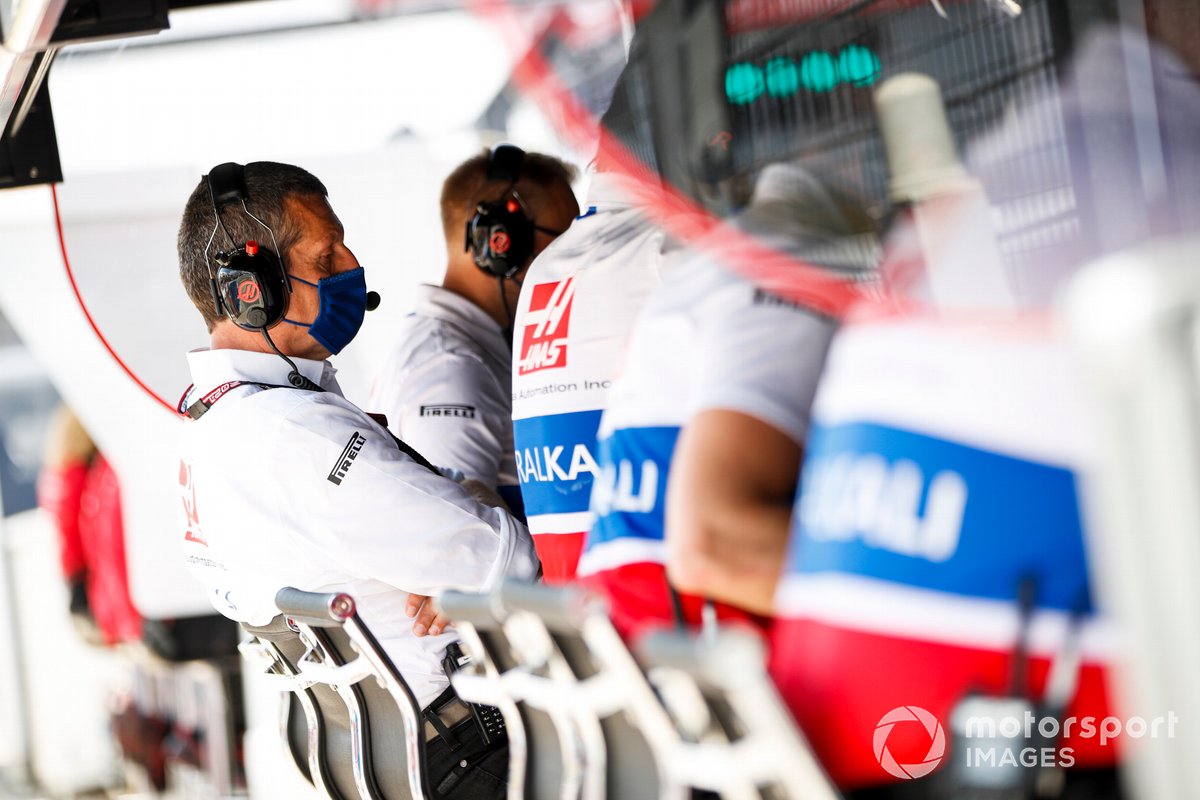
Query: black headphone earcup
point(253, 288)
point(500, 239)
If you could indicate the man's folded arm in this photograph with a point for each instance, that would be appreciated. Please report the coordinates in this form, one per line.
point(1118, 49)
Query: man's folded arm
point(387, 518)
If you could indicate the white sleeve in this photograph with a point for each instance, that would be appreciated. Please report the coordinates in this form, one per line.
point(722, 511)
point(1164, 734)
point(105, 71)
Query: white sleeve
point(762, 356)
point(452, 411)
point(378, 514)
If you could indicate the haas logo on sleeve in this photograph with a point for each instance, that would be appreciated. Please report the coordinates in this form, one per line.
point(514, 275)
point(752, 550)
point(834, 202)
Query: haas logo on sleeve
point(544, 335)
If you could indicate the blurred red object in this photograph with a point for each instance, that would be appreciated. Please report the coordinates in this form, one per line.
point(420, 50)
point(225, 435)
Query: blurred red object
point(79, 489)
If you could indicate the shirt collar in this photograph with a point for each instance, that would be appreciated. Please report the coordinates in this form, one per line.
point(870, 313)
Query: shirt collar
point(442, 304)
point(210, 368)
point(612, 190)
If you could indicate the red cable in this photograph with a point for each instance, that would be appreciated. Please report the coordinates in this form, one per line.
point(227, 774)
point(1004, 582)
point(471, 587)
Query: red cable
point(62, 243)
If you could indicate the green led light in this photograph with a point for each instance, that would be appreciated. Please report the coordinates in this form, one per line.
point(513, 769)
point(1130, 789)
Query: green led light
point(783, 77)
point(818, 71)
point(858, 65)
point(744, 83)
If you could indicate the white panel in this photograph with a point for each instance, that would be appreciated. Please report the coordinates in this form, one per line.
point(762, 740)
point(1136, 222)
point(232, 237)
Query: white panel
point(1133, 319)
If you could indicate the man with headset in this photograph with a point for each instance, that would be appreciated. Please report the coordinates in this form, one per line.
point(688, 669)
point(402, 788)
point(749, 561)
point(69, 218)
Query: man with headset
point(286, 483)
point(446, 386)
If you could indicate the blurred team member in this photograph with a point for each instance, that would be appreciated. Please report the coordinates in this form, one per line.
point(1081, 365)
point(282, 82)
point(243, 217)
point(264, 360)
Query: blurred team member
point(446, 387)
point(79, 490)
point(706, 422)
point(937, 578)
point(286, 483)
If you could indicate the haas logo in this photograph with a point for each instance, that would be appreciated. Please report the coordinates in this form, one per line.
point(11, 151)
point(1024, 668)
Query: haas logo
point(191, 514)
point(248, 292)
point(544, 335)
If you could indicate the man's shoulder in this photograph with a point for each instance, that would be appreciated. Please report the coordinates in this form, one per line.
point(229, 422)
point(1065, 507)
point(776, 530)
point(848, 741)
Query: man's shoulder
point(424, 339)
point(264, 412)
point(601, 238)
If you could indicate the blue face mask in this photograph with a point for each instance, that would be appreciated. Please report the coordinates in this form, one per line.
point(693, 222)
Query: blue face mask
point(343, 299)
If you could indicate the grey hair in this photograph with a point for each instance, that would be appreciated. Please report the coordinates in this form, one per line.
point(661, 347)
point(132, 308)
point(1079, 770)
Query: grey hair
point(268, 186)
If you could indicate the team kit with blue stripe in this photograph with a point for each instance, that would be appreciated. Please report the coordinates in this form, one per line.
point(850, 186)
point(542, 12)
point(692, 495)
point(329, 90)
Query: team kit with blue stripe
point(933, 530)
point(577, 306)
point(707, 339)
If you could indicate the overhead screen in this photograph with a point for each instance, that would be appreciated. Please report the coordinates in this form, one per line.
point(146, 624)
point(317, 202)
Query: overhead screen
point(805, 85)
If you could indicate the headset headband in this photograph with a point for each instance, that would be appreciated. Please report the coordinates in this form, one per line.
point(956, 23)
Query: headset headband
point(227, 184)
point(504, 163)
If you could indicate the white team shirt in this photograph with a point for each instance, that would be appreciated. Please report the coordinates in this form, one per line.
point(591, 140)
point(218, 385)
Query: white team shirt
point(707, 339)
point(285, 487)
point(577, 305)
point(446, 389)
